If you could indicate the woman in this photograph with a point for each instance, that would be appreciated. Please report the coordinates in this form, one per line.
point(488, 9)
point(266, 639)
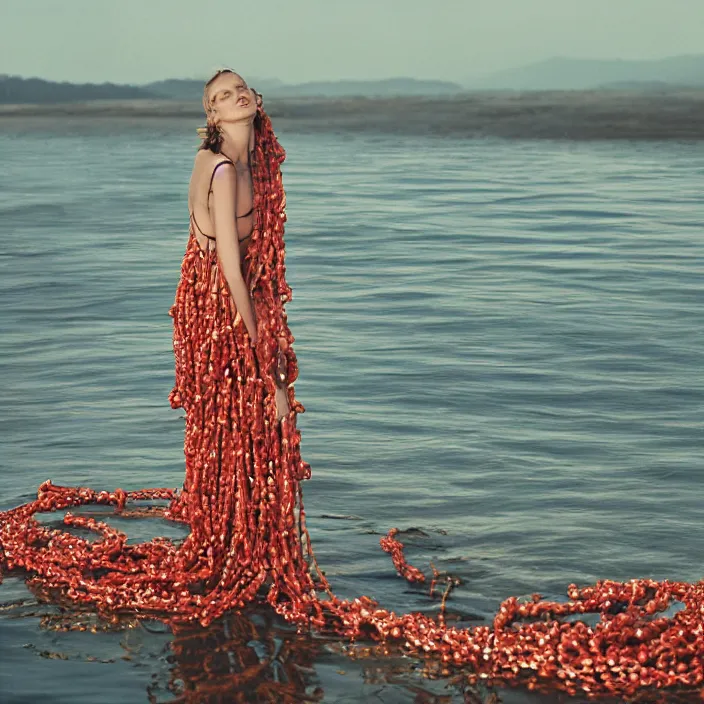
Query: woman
point(234, 379)
point(234, 362)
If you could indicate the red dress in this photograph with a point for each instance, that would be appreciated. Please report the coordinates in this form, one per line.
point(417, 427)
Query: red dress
point(241, 495)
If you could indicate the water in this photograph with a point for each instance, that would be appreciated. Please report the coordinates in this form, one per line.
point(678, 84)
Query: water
point(500, 344)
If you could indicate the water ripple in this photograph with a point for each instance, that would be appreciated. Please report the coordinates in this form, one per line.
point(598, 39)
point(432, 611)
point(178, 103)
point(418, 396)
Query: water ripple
point(502, 340)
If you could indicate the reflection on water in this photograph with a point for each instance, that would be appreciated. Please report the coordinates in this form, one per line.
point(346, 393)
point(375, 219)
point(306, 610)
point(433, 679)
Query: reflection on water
point(240, 659)
point(247, 657)
point(254, 657)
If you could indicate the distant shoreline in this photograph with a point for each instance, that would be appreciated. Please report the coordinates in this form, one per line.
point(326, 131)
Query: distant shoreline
point(527, 115)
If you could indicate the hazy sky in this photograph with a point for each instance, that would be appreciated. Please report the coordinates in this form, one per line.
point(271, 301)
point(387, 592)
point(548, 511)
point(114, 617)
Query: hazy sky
point(299, 40)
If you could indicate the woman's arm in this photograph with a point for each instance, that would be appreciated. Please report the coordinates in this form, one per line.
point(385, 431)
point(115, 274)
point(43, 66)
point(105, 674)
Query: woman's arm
point(227, 244)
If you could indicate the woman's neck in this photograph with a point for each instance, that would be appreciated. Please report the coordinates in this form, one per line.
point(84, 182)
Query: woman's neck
point(237, 142)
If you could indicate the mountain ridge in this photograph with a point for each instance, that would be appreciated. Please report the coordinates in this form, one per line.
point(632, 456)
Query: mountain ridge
point(551, 74)
point(18, 90)
point(569, 73)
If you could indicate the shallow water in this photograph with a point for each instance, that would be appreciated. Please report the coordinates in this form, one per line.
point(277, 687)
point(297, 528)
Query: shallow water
point(500, 344)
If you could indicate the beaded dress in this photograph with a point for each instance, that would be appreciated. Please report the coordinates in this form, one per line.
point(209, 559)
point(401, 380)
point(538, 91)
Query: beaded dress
point(241, 496)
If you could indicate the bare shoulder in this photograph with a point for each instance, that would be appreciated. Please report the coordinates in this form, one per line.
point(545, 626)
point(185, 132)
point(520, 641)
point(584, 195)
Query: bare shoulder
point(204, 159)
point(222, 171)
point(207, 164)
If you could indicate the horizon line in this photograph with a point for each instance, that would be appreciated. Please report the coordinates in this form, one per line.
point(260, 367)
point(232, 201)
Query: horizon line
point(461, 82)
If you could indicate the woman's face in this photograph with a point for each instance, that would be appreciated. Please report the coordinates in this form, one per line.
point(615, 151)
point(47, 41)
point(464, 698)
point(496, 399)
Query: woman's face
point(231, 100)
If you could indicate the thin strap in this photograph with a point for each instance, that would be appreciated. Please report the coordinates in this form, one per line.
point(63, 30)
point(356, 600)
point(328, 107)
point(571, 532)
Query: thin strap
point(210, 237)
point(212, 176)
point(210, 190)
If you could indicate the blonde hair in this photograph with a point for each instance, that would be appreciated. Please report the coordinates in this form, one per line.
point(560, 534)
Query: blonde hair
point(210, 133)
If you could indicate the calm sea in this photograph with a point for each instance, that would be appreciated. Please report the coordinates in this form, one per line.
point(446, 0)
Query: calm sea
point(500, 347)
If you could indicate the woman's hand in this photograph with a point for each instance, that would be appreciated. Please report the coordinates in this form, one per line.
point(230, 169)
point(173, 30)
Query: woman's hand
point(281, 369)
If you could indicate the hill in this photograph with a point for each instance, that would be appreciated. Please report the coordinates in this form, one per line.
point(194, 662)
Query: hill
point(14, 89)
point(561, 73)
